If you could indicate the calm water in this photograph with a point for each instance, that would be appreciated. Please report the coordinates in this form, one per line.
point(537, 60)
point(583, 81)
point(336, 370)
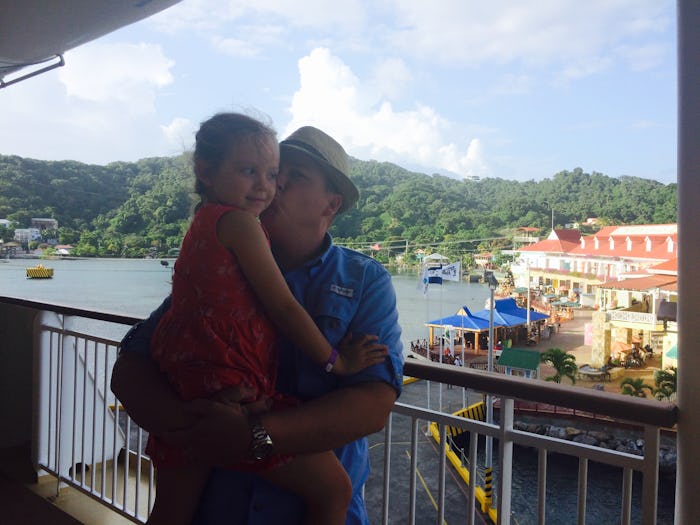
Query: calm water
point(136, 287)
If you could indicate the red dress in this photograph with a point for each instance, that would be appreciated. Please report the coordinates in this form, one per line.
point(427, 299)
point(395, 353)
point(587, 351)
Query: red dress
point(216, 333)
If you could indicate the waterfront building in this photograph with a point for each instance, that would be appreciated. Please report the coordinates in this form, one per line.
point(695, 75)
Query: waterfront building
point(26, 235)
point(625, 272)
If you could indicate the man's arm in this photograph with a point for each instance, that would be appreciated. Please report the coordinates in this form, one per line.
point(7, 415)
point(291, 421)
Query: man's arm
point(140, 385)
point(222, 436)
point(146, 394)
point(332, 420)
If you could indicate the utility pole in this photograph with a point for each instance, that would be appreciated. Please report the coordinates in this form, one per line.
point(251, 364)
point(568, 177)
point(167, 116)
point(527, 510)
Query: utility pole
point(547, 203)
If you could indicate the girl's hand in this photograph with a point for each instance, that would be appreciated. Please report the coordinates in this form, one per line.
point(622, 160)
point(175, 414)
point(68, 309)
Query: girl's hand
point(358, 353)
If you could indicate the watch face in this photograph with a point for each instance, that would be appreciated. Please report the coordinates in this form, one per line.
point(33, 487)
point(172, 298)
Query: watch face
point(263, 449)
point(262, 445)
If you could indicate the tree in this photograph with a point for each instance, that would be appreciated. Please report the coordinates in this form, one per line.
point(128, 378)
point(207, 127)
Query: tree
point(665, 381)
point(564, 364)
point(635, 387)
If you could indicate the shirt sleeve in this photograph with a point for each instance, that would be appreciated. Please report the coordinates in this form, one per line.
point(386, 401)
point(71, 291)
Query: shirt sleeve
point(377, 314)
point(138, 339)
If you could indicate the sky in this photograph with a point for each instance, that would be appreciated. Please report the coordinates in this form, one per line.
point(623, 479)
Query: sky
point(464, 88)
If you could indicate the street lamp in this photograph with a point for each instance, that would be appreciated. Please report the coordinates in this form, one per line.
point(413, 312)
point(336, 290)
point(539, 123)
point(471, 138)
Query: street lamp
point(546, 203)
point(493, 284)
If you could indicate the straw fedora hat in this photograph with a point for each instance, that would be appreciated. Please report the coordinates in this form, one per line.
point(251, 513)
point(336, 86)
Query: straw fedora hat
point(313, 143)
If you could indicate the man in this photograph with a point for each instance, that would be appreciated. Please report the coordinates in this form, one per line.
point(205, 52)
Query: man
point(345, 293)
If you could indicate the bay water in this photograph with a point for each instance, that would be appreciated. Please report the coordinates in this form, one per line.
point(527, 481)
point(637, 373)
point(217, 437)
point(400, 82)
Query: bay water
point(135, 287)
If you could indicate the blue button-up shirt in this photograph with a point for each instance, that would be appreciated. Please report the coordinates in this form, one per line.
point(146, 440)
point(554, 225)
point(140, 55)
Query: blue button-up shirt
point(343, 291)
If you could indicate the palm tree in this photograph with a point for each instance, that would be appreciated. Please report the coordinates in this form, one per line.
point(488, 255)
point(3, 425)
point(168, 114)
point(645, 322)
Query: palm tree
point(564, 364)
point(665, 381)
point(635, 387)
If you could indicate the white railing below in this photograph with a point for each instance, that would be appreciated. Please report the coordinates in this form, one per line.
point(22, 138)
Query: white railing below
point(83, 434)
point(632, 317)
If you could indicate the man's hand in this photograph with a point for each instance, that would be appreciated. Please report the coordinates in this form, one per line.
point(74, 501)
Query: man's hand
point(221, 436)
point(358, 353)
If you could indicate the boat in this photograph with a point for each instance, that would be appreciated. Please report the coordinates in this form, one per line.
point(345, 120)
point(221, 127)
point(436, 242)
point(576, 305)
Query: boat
point(39, 272)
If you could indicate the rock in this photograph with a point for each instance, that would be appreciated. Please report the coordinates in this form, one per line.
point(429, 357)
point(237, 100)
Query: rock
point(600, 436)
point(586, 440)
point(572, 432)
point(556, 432)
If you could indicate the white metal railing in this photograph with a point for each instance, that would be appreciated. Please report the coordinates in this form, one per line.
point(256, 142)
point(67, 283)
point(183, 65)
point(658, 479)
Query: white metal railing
point(84, 438)
point(83, 434)
point(631, 317)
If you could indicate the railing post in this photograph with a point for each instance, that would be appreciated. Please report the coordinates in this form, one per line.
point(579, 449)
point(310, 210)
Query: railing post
point(506, 456)
point(650, 474)
point(387, 470)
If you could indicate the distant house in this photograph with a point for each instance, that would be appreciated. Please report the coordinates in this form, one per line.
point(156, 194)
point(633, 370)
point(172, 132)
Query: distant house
point(44, 223)
point(520, 362)
point(27, 235)
point(483, 259)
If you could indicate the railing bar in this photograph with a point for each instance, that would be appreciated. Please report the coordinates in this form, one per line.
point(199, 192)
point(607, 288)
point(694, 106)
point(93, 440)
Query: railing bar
point(151, 492)
point(59, 412)
point(473, 464)
point(650, 475)
point(137, 483)
point(387, 470)
point(541, 485)
point(441, 474)
point(105, 388)
point(115, 453)
point(413, 482)
point(84, 410)
point(626, 496)
point(49, 423)
point(561, 446)
point(645, 411)
point(582, 490)
point(73, 470)
point(94, 417)
point(126, 463)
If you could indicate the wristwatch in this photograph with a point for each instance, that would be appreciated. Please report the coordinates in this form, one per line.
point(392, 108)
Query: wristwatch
point(261, 446)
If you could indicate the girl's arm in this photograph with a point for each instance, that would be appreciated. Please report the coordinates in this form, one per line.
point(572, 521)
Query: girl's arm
point(242, 234)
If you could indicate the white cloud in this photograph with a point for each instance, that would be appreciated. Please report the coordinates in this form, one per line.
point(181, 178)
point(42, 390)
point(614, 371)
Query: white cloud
point(461, 33)
point(643, 57)
point(391, 78)
point(179, 134)
point(331, 97)
point(125, 74)
point(235, 47)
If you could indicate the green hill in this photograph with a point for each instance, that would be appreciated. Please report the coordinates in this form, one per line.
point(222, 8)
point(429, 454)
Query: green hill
point(133, 209)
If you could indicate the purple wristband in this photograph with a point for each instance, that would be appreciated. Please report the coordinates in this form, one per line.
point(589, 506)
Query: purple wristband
point(331, 360)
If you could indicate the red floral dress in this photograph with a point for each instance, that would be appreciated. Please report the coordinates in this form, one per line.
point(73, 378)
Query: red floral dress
point(216, 333)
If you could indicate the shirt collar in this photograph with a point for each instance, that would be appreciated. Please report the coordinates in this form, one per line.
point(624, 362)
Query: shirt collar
point(323, 256)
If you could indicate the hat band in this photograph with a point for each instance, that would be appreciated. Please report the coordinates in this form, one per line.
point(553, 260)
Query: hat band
point(306, 147)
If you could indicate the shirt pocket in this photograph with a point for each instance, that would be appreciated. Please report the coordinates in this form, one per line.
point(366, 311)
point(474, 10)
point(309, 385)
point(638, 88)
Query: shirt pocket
point(333, 313)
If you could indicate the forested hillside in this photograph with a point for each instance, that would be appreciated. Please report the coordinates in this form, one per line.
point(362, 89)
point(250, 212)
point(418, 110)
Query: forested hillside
point(133, 209)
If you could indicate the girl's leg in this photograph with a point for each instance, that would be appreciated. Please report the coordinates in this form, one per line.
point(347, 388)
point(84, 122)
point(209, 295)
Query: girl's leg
point(321, 481)
point(178, 490)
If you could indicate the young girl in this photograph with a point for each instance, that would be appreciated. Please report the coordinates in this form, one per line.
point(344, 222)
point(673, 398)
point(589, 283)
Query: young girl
point(228, 301)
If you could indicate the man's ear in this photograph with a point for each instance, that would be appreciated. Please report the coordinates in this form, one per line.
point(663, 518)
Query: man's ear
point(335, 201)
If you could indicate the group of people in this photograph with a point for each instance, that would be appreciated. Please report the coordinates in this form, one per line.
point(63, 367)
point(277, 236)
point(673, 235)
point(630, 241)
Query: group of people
point(277, 351)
